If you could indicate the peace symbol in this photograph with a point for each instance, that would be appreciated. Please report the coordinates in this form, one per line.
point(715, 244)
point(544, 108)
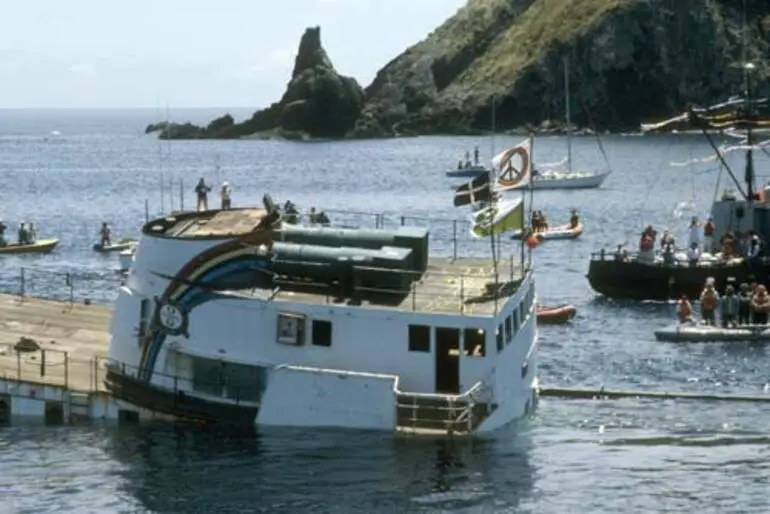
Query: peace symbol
point(511, 175)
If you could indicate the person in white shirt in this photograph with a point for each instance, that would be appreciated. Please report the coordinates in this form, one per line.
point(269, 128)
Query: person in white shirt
point(695, 232)
point(225, 192)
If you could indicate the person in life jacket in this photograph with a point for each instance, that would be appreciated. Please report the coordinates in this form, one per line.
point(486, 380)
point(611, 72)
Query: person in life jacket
point(760, 305)
point(744, 304)
point(709, 299)
point(730, 306)
point(708, 235)
point(684, 310)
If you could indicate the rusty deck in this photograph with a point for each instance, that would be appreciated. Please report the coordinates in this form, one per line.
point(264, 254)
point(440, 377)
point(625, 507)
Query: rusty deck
point(75, 338)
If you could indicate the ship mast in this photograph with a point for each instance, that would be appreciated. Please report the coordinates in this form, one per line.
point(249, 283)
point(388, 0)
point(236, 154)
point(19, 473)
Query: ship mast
point(748, 68)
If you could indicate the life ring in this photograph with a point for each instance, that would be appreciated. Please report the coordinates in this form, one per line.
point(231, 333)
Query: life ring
point(511, 176)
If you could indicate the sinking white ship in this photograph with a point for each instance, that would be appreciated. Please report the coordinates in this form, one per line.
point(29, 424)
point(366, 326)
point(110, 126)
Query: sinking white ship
point(231, 316)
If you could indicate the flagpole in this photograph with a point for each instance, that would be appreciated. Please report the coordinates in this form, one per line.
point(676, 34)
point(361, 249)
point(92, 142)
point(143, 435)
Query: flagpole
point(531, 189)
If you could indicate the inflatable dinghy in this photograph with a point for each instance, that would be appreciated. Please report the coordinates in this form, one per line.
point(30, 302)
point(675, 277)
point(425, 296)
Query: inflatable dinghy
point(694, 333)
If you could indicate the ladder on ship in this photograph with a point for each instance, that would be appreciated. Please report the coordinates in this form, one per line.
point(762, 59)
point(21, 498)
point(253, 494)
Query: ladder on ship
point(442, 414)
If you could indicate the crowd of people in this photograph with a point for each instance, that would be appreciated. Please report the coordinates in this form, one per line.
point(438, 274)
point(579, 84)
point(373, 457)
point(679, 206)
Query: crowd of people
point(732, 245)
point(27, 234)
point(749, 305)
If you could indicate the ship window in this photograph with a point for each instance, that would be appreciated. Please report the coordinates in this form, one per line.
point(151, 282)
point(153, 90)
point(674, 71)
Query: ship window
point(515, 317)
point(475, 342)
point(508, 332)
point(322, 332)
point(499, 337)
point(291, 328)
point(244, 383)
point(207, 376)
point(238, 382)
point(419, 338)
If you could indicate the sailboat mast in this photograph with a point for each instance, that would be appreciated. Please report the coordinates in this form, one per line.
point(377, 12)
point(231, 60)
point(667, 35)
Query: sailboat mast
point(748, 67)
point(568, 113)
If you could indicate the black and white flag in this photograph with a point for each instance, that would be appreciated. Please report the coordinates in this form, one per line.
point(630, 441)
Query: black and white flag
point(475, 191)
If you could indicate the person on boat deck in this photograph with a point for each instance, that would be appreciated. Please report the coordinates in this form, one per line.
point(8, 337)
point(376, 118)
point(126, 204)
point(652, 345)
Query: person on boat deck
point(709, 299)
point(23, 234)
point(201, 192)
point(708, 235)
point(684, 310)
point(574, 220)
point(667, 239)
point(744, 304)
point(695, 232)
point(224, 193)
point(31, 233)
point(669, 257)
point(460, 164)
point(693, 254)
point(542, 221)
point(467, 159)
point(760, 305)
point(476, 156)
point(730, 306)
point(649, 231)
point(104, 235)
point(3, 228)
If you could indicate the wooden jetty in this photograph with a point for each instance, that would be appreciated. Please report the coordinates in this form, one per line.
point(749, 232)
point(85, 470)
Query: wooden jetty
point(73, 339)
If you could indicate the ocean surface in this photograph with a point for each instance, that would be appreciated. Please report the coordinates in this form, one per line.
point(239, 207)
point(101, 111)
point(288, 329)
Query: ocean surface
point(67, 171)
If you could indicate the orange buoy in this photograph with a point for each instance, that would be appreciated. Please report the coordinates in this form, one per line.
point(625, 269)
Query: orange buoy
point(532, 241)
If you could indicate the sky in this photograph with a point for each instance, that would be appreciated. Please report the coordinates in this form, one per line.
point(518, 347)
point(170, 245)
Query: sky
point(191, 53)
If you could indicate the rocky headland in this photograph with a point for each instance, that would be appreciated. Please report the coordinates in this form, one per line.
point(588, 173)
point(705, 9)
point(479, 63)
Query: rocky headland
point(629, 61)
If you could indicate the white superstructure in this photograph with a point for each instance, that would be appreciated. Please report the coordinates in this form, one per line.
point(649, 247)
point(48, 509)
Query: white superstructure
point(228, 317)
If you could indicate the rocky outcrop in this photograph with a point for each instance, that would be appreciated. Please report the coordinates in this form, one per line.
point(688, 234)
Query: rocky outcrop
point(318, 103)
point(629, 61)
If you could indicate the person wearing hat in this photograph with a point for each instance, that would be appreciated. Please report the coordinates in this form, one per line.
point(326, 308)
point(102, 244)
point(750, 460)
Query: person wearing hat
point(225, 193)
point(744, 304)
point(730, 305)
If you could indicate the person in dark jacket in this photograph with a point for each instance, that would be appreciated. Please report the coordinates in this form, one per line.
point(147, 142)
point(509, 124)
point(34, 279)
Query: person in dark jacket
point(201, 192)
point(744, 304)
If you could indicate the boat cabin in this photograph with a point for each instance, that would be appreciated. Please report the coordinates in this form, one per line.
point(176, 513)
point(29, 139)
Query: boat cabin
point(305, 325)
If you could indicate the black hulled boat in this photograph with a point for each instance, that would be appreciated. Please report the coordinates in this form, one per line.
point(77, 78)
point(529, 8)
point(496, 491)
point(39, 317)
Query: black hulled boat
point(741, 213)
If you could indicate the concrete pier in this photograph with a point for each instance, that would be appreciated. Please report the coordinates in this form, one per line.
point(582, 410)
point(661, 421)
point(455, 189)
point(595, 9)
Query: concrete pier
point(63, 379)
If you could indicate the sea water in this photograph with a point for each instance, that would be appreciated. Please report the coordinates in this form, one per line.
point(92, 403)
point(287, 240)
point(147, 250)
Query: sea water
point(69, 170)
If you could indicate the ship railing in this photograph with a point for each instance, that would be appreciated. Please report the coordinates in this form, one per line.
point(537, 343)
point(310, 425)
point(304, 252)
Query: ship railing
point(448, 413)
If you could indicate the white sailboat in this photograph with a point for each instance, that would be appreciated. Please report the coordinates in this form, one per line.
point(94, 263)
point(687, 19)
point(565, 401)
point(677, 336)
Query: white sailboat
point(569, 179)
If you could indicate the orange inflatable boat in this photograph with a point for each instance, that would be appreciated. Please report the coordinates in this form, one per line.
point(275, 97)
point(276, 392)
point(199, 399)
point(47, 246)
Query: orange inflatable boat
point(555, 315)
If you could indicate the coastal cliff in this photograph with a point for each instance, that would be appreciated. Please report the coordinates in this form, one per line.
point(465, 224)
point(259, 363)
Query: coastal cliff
point(628, 61)
point(318, 103)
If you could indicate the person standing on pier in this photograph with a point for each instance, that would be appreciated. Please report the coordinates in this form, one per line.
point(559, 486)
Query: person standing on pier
point(201, 192)
point(225, 193)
